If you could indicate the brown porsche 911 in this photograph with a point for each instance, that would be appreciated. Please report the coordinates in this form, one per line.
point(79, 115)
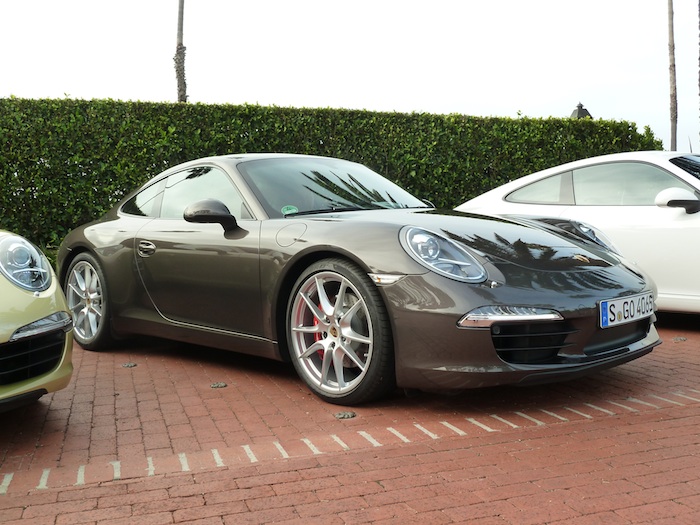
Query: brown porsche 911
point(362, 286)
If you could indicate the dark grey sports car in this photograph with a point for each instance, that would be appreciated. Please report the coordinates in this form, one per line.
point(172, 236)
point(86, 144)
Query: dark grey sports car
point(362, 286)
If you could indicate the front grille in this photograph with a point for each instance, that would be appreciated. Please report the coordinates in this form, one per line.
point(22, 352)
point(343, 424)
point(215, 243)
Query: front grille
point(31, 357)
point(531, 343)
point(562, 342)
point(605, 340)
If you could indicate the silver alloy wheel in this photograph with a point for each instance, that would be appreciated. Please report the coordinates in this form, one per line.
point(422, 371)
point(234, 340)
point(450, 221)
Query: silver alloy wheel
point(85, 300)
point(331, 333)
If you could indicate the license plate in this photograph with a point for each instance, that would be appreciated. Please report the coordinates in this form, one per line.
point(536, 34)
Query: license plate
point(615, 312)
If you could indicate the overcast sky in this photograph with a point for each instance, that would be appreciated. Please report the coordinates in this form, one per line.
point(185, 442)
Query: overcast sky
point(504, 58)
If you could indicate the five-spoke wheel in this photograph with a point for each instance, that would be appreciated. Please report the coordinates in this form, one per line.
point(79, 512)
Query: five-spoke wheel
point(339, 334)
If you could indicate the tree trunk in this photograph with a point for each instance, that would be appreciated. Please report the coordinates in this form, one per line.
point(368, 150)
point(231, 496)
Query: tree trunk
point(672, 76)
point(180, 57)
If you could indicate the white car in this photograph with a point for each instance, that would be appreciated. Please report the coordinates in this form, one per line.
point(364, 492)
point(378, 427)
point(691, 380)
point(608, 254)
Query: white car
point(645, 202)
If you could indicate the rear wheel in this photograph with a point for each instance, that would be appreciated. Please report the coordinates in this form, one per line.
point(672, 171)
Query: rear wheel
point(87, 298)
point(339, 334)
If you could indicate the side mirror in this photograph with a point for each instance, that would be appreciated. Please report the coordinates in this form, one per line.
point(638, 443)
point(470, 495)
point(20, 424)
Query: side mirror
point(210, 211)
point(678, 198)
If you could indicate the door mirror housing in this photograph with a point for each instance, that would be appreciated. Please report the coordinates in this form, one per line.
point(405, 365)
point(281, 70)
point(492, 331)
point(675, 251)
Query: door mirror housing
point(210, 211)
point(678, 198)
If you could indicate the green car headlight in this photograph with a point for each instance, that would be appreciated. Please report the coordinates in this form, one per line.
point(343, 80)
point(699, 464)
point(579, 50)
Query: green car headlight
point(23, 264)
point(441, 255)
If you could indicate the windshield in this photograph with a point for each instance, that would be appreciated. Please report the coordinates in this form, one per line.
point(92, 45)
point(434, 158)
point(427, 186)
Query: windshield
point(304, 185)
point(689, 163)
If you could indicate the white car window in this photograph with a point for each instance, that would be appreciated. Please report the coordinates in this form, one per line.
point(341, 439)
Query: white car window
point(552, 190)
point(622, 184)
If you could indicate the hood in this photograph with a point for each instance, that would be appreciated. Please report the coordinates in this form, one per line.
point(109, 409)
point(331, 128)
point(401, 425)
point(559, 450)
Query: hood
point(501, 240)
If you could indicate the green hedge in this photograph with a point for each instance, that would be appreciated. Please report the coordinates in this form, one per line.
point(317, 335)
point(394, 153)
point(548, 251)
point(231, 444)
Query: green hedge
point(64, 162)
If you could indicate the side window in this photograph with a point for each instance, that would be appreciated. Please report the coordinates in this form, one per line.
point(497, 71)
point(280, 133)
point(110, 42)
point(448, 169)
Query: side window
point(196, 184)
point(622, 184)
point(552, 190)
point(144, 203)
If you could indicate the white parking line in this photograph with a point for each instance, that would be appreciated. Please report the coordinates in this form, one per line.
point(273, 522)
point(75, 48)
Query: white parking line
point(505, 421)
point(687, 397)
point(399, 435)
point(312, 447)
point(369, 438)
point(631, 409)
point(530, 418)
point(587, 416)
point(480, 425)
point(340, 442)
point(80, 478)
point(425, 431)
point(151, 470)
point(6, 480)
point(249, 453)
point(184, 464)
point(281, 449)
point(667, 400)
point(43, 482)
point(635, 400)
point(116, 469)
point(217, 458)
point(600, 409)
point(556, 416)
point(453, 428)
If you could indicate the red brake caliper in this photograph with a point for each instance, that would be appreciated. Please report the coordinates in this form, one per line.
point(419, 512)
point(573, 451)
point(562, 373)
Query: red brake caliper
point(318, 336)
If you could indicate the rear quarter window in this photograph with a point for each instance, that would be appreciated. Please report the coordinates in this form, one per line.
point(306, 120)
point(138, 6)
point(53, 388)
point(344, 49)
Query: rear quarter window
point(552, 190)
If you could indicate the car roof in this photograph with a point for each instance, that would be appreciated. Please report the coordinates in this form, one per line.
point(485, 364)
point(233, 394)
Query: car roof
point(652, 156)
point(240, 157)
point(226, 159)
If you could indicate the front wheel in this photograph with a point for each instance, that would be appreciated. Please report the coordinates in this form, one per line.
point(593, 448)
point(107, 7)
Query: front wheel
point(339, 334)
point(87, 298)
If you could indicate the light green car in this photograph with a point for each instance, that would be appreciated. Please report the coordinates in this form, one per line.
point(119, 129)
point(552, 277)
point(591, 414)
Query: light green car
point(36, 332)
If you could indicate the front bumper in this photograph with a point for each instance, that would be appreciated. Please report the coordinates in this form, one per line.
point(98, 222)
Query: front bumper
point(35, 350)
point(432, 353)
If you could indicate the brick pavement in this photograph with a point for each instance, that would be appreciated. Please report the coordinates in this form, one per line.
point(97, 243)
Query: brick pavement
point(165, 441)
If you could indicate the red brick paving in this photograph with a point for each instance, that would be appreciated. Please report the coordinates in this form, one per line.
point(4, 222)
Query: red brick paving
point(155, 443)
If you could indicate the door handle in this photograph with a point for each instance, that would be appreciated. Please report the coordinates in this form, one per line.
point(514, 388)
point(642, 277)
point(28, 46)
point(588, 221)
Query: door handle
point(146, 248)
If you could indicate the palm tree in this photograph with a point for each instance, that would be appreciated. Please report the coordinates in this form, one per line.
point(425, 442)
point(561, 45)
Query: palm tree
point(672, 75)
point(180, 58)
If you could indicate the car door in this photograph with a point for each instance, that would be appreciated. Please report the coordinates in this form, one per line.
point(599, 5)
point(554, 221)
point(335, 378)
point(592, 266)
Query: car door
point(198, 274)
point(618, 198)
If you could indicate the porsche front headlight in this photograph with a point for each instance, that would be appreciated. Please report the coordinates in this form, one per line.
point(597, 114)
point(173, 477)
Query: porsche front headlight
point(441, 255)
point(24, 264)
point(595, 235)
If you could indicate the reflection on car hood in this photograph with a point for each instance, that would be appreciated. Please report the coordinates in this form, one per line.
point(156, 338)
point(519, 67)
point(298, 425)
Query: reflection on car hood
point(501, 240)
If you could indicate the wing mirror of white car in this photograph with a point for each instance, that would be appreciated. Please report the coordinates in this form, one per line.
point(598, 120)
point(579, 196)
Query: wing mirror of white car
point(678, 198)
point(210, 211)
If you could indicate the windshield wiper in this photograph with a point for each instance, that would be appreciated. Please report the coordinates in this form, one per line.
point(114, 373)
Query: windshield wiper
point(328, 210)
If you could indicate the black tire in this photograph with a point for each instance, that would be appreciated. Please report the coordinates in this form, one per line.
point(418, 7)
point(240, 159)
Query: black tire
point(339, 334)
point(88, 301)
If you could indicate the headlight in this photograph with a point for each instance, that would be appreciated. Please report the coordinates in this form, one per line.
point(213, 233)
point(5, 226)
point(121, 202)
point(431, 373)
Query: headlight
point(442, 255)
point(24, 264)
point(595, 235)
